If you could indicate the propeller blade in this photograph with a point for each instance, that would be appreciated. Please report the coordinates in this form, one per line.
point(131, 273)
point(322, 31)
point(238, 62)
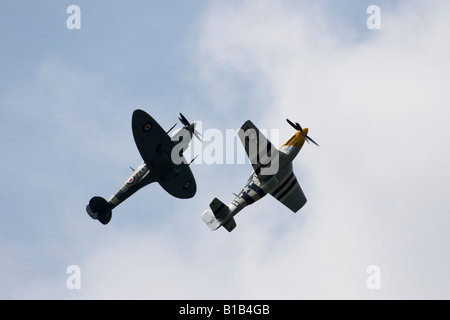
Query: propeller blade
point(198, 135)
point(309, 139)
point(183, 120)
point(296, 125)
point(291, 123)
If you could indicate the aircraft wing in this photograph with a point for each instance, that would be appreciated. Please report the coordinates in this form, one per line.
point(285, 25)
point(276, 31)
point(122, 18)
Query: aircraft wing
point(180, 182)
point(155, 147)
point(289, 193)
point(151, 140)
point(263, 156)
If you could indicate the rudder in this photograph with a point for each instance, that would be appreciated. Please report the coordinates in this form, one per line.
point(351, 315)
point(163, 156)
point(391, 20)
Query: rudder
point(218, 214)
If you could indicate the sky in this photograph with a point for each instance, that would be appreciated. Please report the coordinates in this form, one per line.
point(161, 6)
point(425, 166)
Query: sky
point(376, 100)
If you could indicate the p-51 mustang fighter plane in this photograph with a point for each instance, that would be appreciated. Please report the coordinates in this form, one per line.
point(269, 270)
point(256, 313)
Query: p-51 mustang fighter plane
point(163, 162)
point(273, 174)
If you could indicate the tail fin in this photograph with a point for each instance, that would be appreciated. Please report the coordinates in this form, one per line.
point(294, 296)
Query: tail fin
point(99, 208)
point(219, 215)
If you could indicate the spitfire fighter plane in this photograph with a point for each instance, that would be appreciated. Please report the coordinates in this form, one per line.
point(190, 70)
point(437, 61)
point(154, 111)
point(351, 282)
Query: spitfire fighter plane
point(163, 162)
point(273, 174)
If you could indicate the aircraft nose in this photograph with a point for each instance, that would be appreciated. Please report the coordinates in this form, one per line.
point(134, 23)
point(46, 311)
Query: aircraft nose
point(305, 131)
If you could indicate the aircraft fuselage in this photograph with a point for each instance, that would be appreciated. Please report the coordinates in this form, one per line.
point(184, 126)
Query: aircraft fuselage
point(143, 176)
point(259, 185)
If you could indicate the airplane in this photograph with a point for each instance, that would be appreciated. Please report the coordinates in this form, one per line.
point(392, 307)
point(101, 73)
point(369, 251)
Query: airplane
point(273, 174)
point(163, 163)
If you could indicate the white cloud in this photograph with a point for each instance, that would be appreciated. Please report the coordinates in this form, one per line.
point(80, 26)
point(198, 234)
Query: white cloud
point(376, 187)
point(378, 108)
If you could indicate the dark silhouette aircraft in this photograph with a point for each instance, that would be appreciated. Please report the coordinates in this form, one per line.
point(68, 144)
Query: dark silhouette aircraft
point(163, 163)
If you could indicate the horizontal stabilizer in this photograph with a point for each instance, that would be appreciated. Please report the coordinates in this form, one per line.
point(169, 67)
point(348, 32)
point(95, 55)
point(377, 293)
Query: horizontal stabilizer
point(219, 215)
point(219, 209)
point(99, 209)
point(230, 225)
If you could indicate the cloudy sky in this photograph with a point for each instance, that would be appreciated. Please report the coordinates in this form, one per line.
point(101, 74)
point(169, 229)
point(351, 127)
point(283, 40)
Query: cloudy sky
point(375, 100)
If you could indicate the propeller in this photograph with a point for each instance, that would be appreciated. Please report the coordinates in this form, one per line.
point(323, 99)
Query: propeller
point(185, 122)
point(298, 127)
